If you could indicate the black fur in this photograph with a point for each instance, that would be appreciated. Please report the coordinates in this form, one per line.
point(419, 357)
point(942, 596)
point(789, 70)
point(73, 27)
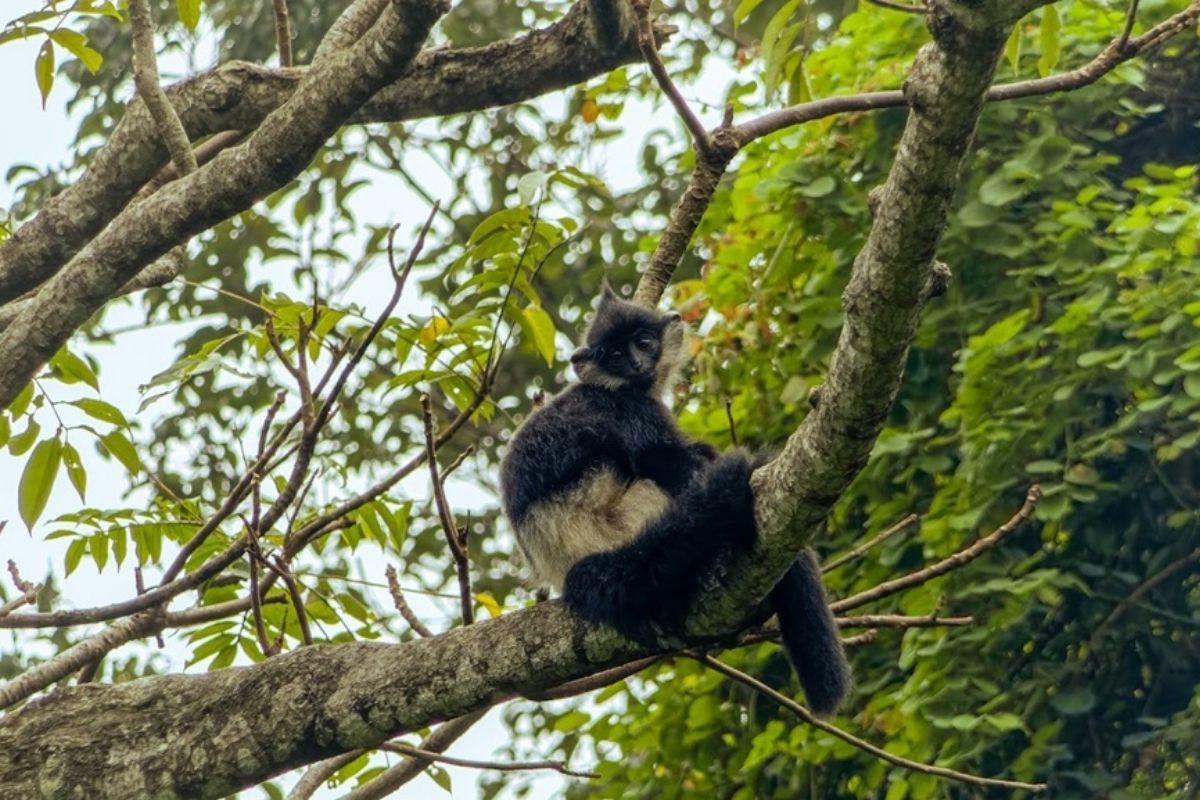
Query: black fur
point(613, 420)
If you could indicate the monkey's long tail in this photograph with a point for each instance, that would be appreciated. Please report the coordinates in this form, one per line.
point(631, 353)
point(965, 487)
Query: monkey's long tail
point(810, 635)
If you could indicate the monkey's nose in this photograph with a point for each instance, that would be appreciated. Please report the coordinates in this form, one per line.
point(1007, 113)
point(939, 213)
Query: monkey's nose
point(581, 355)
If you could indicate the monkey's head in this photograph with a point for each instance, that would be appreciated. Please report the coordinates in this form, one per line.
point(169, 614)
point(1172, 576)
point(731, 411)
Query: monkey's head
point(630, 346)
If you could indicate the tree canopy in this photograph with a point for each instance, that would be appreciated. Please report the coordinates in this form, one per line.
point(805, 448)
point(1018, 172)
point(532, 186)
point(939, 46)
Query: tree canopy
point(941, 259)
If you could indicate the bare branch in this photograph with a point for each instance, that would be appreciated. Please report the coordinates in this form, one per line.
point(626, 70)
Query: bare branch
point(908, 522)
point(449, 528)
point(895, 6)
point(283, 33)
point(1138, 593)
point(145, 75)
point(238, 97)
point(498, 766)
point(808, 717)
point(388, 781)
point(955, 561)
point(402, 605)
point(316, 775)
point(77, 656)
point(592, 682)
point(1130, 20)
point(645, 36)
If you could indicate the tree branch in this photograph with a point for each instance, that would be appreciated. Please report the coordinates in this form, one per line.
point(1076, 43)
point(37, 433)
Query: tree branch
point(145, 76)
point(498, 766)
point(700, 137)
point(820, 724)
point(388, 781)
point(955, 561)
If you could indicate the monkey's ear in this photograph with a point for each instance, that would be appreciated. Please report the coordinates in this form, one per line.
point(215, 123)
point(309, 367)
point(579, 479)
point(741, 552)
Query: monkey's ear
point(607, 295)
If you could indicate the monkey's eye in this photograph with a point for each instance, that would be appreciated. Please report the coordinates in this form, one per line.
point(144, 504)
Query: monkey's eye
point(644, 342)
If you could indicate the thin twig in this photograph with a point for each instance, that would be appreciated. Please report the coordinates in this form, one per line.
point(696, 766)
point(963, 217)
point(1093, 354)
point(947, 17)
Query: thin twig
point(391, 779)
point(945, 565)
point(260, 627)
point(900, 6)
point(645, 39)
point(499, 766)
point(316, 775)
point(293, 588)
point(849, 738)
point(903, 525)
point(449, 527)
point(28, 592)
point(592, 682)
point(1127, 31)
point(866, 637)
point(733, 437)
point(457, 462)
point(402, 605)
point(1140, 591)
point(283, 33)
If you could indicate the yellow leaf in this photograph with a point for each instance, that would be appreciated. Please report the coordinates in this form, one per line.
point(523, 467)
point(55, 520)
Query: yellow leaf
point(433, 329)
point(486, 600)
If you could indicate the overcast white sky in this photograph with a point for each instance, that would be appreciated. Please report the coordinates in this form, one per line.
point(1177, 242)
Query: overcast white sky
point(31, 135)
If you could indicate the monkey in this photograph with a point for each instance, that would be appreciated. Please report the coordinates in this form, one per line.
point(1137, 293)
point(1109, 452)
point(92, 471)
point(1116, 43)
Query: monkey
point(617, 509)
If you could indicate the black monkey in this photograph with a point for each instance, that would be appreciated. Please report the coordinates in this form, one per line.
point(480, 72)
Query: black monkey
point(613, 505)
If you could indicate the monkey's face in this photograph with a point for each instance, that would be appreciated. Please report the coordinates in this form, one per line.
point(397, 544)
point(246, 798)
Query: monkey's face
point(627, 345)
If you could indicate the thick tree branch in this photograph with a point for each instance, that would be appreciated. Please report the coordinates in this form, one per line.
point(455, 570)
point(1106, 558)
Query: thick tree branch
point(320, 701)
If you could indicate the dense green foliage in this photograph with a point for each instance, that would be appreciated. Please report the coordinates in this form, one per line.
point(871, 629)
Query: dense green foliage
point(1065, 353)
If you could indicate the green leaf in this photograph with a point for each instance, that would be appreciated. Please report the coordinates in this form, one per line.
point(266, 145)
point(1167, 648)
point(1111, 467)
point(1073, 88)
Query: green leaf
point(1050, 40)
point(189, 13)
point(1074, 701)
point(1012, 49)
point(75, 470)
point(121, 449)
point(529, 185)
point(571, 720)
point(43, 70)
point(819, 188)
point(98, 545)
point(76, 44)
point(440, 777)
point(743, 10)
point(25, 439)
point(73, 369)
point(98, 409)
point(21, 402)
point(541, 329)
point(75, 551)
point(37, 480)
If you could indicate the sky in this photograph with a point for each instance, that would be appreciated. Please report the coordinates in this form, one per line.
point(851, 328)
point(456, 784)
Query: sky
point(43, 137)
